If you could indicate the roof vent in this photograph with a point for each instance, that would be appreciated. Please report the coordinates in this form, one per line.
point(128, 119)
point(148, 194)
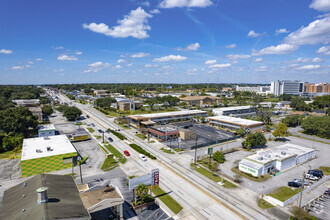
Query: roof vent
point(38, 151)
point(46, 138)
point(268, 155)
point(42, 195)
point(49, 149)
point(24, 184)
point(283, 153)
point(260, 158)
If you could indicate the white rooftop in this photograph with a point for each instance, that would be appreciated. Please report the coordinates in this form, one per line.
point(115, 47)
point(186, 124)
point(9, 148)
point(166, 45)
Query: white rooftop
point(46, 127)
point(239, 121)
point(232, 108)
point(59, 144)
point(279, 153)
point(168, 114)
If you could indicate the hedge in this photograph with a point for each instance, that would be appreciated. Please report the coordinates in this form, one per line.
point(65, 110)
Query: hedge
point(142, 151)
point(119, 135)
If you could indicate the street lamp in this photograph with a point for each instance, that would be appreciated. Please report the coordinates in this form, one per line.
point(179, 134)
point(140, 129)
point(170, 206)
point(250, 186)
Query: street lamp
point(79, 159)
point(196, 150)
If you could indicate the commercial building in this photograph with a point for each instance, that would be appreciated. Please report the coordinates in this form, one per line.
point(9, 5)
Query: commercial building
point(201, 100)
point(256, 89)
point(236, 123)
point(44, 196)
point(275, 159)
point(46, 154)
point(26, 102)
point(164, 133)
point(37, 111)
point(128, 105)
point(46, 130)
point(290, 87)
point(100, 93)
point(164, 117)
point(317, 88)
point(237, 111)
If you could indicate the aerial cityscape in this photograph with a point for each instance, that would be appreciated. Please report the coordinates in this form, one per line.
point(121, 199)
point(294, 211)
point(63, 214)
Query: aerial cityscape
point(165, 109)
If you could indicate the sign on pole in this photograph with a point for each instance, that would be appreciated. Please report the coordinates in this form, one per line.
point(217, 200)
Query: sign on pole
point(149, 180)
point(179, 139)
point(210, 150)
point(155, 177)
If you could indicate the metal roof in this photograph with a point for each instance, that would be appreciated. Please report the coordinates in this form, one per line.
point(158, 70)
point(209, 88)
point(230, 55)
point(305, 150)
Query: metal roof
point(233, 120)
point(48, 127)
point(167, 114)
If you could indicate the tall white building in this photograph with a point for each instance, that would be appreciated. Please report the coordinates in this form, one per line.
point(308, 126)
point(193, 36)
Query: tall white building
point(290, 87)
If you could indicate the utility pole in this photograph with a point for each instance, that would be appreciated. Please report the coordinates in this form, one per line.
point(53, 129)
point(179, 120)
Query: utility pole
point(301, 192)
point(196, 151)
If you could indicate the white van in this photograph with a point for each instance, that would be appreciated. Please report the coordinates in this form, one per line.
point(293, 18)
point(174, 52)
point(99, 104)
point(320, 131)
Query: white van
point(142, 157)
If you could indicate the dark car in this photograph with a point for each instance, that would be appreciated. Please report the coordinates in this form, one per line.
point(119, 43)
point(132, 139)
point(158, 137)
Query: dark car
point(126, 153)
point(110, 139)
point(87, 116)
point(107, 131)
point(294, 184)
point(327, 192)
point(99, 130)
point(317, 173)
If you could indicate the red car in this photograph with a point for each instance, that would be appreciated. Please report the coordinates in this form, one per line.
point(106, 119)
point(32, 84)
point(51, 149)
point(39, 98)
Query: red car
point(126, 153)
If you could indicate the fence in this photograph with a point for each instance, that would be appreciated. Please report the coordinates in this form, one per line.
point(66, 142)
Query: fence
point(214, 142)
point(276, 202)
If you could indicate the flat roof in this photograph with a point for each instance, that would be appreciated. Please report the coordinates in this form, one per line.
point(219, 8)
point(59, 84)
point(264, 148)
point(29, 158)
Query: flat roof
point(233, 120)
point(59, 144)
point(165, 128)
point(167, 114)
point(93, 197)
point(232, 108)
point(190, 98)
point(48, 127)
point(279, 153)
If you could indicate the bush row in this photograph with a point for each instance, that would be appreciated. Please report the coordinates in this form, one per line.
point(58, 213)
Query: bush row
point(142, 151)
point(119, 135)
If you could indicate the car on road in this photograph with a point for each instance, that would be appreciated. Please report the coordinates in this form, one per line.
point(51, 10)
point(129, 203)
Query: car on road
point(327, 192)
point(294, 184)
point(87, 116)
point(99, 130)
point(126, 153)
point(110, 139)
point(107, 131)
point(142, 157)
point(92, 124)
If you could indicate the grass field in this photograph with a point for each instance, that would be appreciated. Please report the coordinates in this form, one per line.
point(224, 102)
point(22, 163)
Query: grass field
point(116, 153)
point(167, 199)
point(264, 204)
point(283, 193)
point(14, 154)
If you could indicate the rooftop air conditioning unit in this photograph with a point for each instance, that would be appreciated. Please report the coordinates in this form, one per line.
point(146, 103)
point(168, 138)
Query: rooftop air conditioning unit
point(283, 153)
point(260, 158)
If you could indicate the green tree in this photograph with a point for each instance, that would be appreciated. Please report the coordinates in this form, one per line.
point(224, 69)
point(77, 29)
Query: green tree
point(11, 142)
point(317, 125)
point(241, 131)
point(281, 130)
point(219, 157)
point(254, 140)
point(71, 113)
point(105, 102)
point(293, 120)
point(140, 190)
point(47, 110)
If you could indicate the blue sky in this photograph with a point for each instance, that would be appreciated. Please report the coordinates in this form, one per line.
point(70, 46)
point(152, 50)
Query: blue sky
point(164, 41)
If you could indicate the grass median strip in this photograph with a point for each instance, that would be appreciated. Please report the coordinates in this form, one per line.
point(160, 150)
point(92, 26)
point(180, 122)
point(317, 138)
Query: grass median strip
point(91, 130)
point(167, 199)
point(142, 151)
point(283, 193)
point(116, 153)
point(264, 204)
point(213, 176)
point(108, 162)
point(167, 150)
point(141, 136)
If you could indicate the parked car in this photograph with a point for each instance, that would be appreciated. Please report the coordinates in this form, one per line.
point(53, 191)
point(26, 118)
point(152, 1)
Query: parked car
point(126, 153)
point(300, 181)
point(92, 124)
point(99, 130)
point(318, 173)
point(311, 177)
point(294, 184)
point(110, 139)
point(107, 131)
point(87, 116)
point(142, 157)
point(327, 192)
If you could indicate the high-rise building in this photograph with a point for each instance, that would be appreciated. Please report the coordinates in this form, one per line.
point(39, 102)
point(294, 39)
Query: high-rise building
point(317, 88)
point(290, 87)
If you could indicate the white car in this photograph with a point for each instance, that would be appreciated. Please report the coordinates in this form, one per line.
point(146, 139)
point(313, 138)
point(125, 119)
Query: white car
point(142, 157)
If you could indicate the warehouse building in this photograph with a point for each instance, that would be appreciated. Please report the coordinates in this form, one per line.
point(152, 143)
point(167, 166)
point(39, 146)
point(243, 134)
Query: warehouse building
point(46, 130)
point(165, 117)
point(201, 100)
point(275, 159)
point(237, 111)
point(46, 154)
point(236, 123)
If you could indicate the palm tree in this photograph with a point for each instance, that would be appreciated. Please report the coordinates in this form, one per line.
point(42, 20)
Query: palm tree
point(140, 190)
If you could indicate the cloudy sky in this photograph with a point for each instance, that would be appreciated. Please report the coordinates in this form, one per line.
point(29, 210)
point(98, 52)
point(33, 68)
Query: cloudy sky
point(171, 41)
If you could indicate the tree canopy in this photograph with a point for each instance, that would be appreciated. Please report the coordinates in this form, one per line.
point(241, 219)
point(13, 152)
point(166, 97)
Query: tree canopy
point(281, 130)
point(254, 140)
point(47, 110)
point(317, 125)
point(293, 120)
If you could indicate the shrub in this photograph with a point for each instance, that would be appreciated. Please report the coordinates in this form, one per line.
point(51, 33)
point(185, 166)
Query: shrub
point(142, 151)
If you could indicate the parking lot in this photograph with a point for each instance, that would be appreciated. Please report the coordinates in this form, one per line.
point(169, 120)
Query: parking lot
point(206, 135)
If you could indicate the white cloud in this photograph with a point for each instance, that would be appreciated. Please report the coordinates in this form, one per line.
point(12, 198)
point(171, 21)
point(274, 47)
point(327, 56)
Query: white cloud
point(320, 5)
point(17, 67)
point(121, 61)
point(154, 11)
point(66, 57)
point(215, 66)
point(30, 62)
point(300, 60)
point(185, 3)
point(237, 56)
point(281, 31)
point(58, 48)
point(147, 4)
point(117, 67)
point(57, 70)
point(4, 51)
point(133, 25)
point(130, 64)
point(294, 65)
point(148, 65)
point(258, 59)
point(210, 62)
point(253, 34)
point(190, 47)
point(96, 67)
point(316, 32)
point(309, 67)
point(140, 55)
point(38, 59)
point(192, 71)
point(279, 49)
point(78, 52)
point(325, 50)
point(317, 59)
point(261, 69)
point(231, 46)
point(175, 58)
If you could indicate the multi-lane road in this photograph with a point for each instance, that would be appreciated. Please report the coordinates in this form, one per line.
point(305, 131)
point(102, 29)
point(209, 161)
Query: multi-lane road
point(200, 198)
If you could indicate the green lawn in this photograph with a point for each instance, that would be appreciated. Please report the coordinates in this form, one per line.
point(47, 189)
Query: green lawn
point(213, 176)
point(326, 170)
point(167, 150)
point(116, 153)
point(178, 150)
point(283, 193)
point(150, 142)
point(108, 162)
point(257, 179)
point(91, 130)
point(122, 125)
point(264, 204)
point(13, 154)
point(97, 136)
point(141, 136)
point(167, 199)
point(103, 149)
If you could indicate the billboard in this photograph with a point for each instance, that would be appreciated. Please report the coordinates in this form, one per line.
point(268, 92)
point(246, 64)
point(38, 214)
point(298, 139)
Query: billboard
point(149, 179)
